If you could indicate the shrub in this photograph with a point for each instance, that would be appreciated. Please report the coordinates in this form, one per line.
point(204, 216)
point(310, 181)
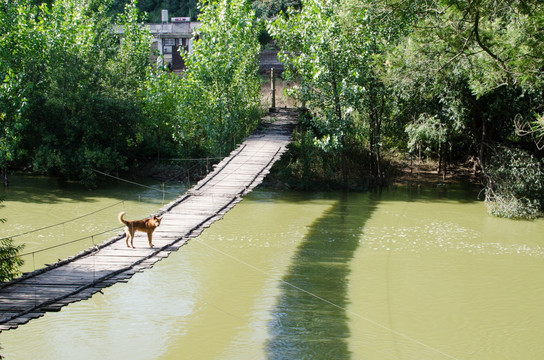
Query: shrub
point(515, 184)
point(10, 262)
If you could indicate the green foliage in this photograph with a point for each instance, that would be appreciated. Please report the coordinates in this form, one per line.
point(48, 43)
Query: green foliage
point(78, 95)
point(538, 128)
point(444, 76)
point(516, 184)
point(270, 9)
point(377, 76)
point(305, 166)
point(330, 65)
point(70, 98)
point(185, 8)
point(264, 9)
point(220, 97)
point(474, 66)
point(10, 261)
point(129, 66)
point(459, 52)
point(425, 132)
point(161, 95)
point(21, 65)
point(336, 75)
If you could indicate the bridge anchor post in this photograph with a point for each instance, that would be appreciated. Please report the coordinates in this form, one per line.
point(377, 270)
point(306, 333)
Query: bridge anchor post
point(273, 90)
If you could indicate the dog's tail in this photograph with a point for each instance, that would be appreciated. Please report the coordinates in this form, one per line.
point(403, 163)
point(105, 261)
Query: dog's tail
point(121, 220)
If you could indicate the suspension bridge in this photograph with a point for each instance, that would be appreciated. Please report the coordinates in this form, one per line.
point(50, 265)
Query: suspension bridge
point(81, 276)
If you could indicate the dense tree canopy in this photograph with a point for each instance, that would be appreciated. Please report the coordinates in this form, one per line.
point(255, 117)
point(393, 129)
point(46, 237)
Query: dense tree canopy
point(10, 260)
point(481, 63)
point(221, 81)
point(449, 80)
point(77, 94)
point(264, 9)
point(75, 84)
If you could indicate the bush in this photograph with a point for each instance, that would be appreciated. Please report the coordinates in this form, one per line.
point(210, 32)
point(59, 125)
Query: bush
point(515, 185)
point(10, 262)
point(307, 166)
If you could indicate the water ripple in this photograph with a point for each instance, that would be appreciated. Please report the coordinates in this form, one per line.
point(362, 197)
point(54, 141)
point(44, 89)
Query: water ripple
point(445, 236)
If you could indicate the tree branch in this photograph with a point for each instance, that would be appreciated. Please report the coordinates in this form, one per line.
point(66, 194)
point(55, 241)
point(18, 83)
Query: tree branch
point(501, 63)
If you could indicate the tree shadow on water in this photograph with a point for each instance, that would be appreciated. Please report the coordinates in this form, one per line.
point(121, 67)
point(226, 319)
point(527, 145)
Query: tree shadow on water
point(51, 190)
point(305, 325)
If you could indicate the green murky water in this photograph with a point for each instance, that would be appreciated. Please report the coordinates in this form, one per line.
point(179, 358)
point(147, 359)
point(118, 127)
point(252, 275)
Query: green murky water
point(44, 214)
point(405, 274)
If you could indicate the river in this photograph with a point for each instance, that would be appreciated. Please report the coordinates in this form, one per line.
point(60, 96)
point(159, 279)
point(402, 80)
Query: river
point(408, 273)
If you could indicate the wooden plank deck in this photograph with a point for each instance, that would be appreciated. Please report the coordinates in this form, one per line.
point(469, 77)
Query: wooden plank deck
point(86, 273)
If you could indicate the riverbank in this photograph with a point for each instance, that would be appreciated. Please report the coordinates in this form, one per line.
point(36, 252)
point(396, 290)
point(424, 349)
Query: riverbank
point(425, 173)
point(175, 170)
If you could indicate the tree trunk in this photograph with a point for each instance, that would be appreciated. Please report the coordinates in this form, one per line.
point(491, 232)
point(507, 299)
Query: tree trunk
point(5, 176)
point(370, 149)
point(376, 163)
point(483, 141)
point(378, 125)
point(379, 165)
point(439, 159)
point(445, 162)
point(158, 145)
point(344, 170)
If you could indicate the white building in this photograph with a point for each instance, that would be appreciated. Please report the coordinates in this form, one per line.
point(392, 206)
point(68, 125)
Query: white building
point(171, 37)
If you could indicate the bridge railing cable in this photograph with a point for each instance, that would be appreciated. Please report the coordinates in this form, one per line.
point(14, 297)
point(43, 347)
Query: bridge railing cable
point(32, 253)
point(63, 222)
point(107, 207)
point(92, 236)
point(68, 242)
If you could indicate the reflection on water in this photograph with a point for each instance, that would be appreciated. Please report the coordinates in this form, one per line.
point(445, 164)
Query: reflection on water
point(304, 326)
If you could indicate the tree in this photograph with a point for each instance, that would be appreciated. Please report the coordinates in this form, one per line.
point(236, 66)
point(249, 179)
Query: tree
point(73, 113)
point(185, 8)
point(71, 100)
point(270, 9)
point(331, 66)
point(475, 66)
point(21, 65)
point(515, 184)
point(220, 97)
point(161, 95)
point(10, 261)
point(490, 46)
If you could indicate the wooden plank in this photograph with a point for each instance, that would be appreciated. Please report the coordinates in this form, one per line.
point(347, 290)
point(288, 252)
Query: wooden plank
point(20, 320)
point(79, 279)
point(127, 252)
point(100, 262)
point(23, 291)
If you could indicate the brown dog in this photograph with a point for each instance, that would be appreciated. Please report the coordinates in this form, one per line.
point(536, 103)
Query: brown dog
point(145, 225)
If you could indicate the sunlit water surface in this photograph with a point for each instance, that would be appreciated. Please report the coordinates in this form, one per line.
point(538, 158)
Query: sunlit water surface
point(405, 274)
